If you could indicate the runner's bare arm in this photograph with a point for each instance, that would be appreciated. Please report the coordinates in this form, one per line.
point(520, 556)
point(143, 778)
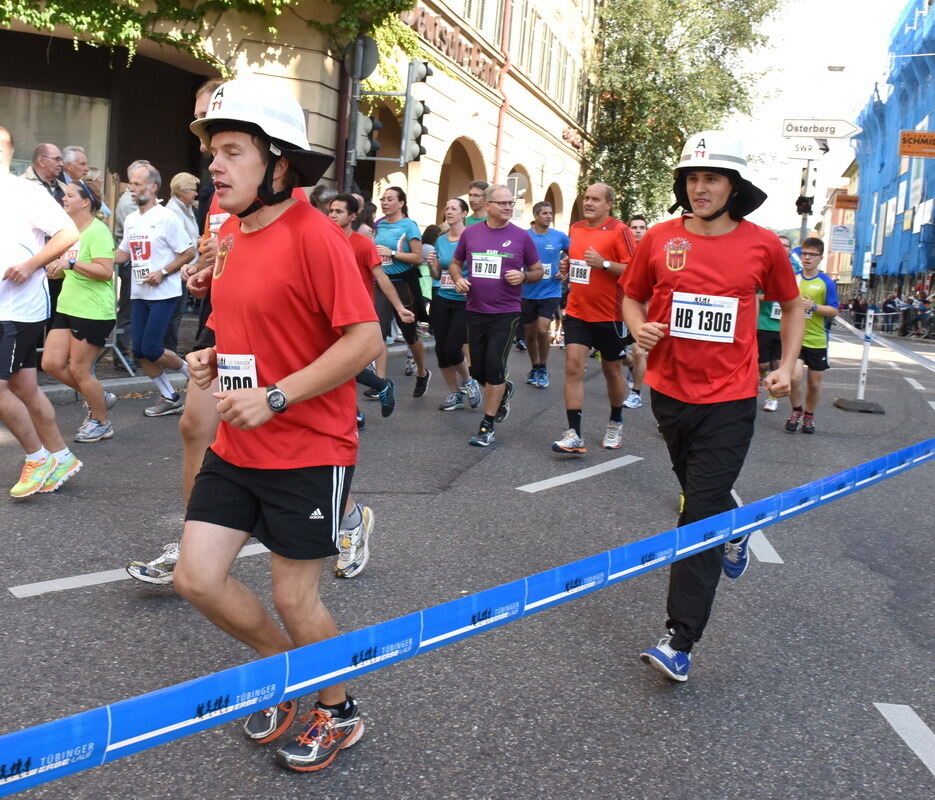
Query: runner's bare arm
point(647, 334)
point(791, 330)
point(386, 286)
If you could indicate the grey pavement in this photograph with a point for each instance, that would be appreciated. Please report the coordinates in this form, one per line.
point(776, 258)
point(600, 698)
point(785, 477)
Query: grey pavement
point(780, 699)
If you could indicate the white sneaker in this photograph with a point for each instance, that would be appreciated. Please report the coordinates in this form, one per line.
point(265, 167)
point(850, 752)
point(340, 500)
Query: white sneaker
point(613, 439)
point(570, 443)
point(633, 400)
point(159, 570)
point(354, 546)
point(771, 404)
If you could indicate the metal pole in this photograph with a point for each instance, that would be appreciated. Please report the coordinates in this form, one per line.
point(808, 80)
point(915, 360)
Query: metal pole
point(350, 160)
point(865, 361)
point(803, 230)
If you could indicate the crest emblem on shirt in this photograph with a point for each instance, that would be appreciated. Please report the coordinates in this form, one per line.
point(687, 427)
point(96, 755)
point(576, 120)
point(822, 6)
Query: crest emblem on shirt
point(224, 247)
point(677, 253)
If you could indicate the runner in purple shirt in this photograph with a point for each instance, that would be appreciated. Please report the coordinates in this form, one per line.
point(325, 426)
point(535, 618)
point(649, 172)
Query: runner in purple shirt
point(493, 260)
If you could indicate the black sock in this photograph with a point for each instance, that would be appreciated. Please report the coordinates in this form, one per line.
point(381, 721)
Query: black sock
point(809, 413)
point(797, 408)
point(616, 413)
point(574, 419)
point(340, 710)
point(487, 422)
point(636, 391)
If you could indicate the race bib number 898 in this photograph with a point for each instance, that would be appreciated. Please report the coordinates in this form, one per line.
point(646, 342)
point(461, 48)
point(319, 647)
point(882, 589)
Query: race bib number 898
point(704, 317)
point(236, 372)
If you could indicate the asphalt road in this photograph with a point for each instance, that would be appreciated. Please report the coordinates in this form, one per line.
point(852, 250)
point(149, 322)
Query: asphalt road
point(780, 701)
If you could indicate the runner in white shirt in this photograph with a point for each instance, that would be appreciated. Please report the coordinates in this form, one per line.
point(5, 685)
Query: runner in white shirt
point(157, 246)
point(34, 230)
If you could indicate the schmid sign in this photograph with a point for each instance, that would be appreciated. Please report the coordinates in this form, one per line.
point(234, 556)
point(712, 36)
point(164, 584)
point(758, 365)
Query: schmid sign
point(846, 201)
point(917, 144)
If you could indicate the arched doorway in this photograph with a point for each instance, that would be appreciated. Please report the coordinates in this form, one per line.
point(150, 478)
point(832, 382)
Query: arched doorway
point(577, 214)
point(462, 164)
point(553, 196)
point(519, 183)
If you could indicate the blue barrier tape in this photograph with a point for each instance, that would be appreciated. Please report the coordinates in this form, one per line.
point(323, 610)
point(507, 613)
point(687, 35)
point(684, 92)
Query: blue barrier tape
point(61, 747)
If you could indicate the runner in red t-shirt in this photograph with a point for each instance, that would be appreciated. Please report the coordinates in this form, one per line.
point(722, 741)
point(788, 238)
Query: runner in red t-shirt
point(600, 249)
point(294, 325)
point(691, 302)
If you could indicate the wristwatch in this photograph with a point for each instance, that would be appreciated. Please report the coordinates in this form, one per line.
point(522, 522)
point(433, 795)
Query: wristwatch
point(165, 273)
point(71, 263)
point(275, 399)
point(605, 264)
point(393, 253)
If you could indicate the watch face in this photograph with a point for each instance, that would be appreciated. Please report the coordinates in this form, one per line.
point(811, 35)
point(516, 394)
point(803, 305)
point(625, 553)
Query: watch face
point(276, 399)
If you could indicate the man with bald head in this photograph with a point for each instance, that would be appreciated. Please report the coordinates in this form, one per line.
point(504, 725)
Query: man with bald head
point(598, 253)
point(46, 170)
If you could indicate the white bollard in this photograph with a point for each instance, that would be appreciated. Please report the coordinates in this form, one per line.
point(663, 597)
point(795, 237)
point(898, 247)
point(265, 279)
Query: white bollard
point(865, 362)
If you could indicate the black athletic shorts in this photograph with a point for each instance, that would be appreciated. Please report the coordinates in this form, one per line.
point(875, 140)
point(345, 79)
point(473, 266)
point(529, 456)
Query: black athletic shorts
point(533, 308)
point(609, 338)
point(19, 342)
point(387, 313)
point(769, 345)
point(296, 513)
point(490, 337)
point(92, 331)
point(815, 358)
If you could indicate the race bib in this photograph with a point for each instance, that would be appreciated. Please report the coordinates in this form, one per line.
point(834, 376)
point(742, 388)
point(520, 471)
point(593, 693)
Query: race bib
point(386, 260)
point(579, 271)
point(445, 281)
point(236, 372)
point(707, 318)
point(486, 265)
point(546, 270)
point(776, 312)
point(808, 313)
point(215, 221)
point(140, 273)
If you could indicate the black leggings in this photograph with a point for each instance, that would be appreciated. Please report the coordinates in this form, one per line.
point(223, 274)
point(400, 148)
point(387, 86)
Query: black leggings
point(371, 380)
point(490, 337)
point(387, 313)
point(449, 322)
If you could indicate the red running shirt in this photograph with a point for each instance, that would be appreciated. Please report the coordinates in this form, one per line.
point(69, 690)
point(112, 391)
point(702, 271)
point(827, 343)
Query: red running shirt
point(366, 256)
point(282, 294)
point(593, 294)
point(670, 259)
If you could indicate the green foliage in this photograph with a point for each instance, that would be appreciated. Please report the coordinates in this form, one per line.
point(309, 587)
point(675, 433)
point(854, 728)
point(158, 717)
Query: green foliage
point(667, 69)
point(184, 25)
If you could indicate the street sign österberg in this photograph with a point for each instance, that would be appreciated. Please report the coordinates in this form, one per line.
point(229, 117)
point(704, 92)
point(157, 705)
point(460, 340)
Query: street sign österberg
point(823, 128)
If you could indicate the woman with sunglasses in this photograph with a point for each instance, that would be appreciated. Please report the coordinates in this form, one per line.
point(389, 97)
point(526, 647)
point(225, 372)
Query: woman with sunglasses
point(85, 314)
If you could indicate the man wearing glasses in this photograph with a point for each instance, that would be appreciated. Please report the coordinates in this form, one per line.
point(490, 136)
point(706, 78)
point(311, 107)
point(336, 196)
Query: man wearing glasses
point(491, 263)
point(46, 170)
point(820, 301)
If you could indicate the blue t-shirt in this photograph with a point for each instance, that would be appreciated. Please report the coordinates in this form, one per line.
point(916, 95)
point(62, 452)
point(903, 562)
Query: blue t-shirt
point(396, 236)
point(550, 246)
point(445, 249)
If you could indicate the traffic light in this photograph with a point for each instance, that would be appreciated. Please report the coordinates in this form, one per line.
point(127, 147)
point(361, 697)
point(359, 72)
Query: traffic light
point(413, 115)
point(803, 205)
point(367, 144)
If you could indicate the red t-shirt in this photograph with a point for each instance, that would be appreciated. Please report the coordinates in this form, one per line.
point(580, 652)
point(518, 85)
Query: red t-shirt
point(714, 276)
point(593, 294)
point(282, 294)
point(367, 257)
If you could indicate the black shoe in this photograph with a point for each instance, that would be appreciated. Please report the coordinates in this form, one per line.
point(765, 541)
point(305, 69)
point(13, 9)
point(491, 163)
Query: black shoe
point(521, 345)
point(422, 383)
point(504, 411)
point(270, 723)
point(388, 398)
point(361, 421)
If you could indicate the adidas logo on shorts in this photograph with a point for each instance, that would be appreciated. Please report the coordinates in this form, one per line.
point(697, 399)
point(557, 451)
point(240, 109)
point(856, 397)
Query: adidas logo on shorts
point(316, 514)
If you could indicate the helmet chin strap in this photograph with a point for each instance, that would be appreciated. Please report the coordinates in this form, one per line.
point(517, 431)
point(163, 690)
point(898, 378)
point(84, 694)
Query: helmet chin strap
point(265, 196)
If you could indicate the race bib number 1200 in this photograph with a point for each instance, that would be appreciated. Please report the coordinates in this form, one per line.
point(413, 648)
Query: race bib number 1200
point(707, 318)
point(236, 372)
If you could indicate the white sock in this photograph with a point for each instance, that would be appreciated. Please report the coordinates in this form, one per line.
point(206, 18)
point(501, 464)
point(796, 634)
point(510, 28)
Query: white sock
point(165, 388)
point(40, 455)
point(61, 455)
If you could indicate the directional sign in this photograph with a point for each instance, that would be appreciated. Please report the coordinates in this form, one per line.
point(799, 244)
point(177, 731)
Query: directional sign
point(805, 149)
point(824, 128)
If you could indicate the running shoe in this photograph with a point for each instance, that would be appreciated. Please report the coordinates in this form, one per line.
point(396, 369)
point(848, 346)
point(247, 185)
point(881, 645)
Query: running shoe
point(542, 381)
point(633, 400)
point(808, 423)
point(93, 431)
point(165, 406)
point(410, 366)
point(270, 723)
point(570, 443)
point(387, 399)
point(454, 402)
point(110, 400)
point(471, 389)
point(422, 330)
point(159, 570)
point(533, 377)
point(33, 475)
point(613, 438)
point(504, 411)
point(63, 471)
point(521, 345)
point(793, 422)
point(371, 394)
point(674, 664)
point(361, 421)
point(483, 438)
point(354, 546)
point(736, 557)
point(324, 735)
point(771, 404)
point(422, 383)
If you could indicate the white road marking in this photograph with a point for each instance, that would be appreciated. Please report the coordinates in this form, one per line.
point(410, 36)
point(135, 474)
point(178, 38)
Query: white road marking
point(579, 475)
point(914, 383)
point(98, 578)
point(894, 365)
point(912, 730)
point(932, 404)
point(759, 545)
